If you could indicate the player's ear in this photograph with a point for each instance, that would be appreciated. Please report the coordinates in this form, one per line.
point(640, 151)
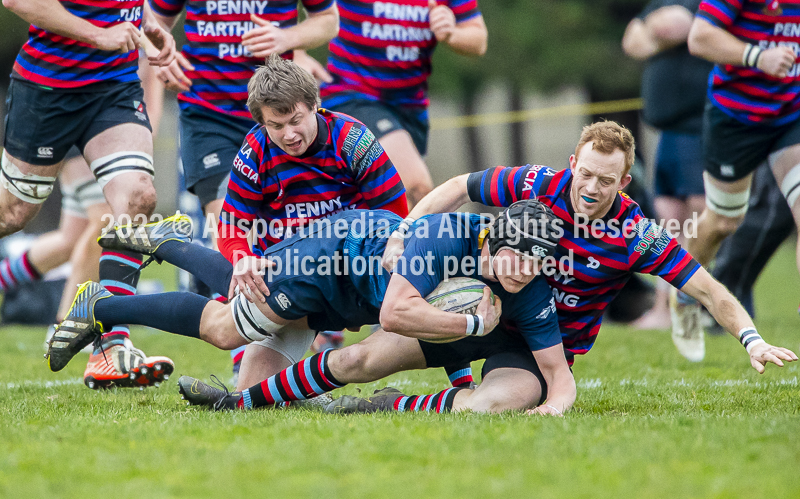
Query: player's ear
point(625, 181)
point(572, 161)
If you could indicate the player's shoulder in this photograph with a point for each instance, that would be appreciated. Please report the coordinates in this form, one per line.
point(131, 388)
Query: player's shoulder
point(533, 301)
point(625, 208)
point(256, 144)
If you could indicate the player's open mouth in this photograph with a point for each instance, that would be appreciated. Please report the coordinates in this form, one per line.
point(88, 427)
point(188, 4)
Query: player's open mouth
point(294, 145)
point(588, 199)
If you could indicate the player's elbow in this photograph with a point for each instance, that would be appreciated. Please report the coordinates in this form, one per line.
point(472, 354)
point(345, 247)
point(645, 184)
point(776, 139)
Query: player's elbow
point(698, 39)
point(390, 318)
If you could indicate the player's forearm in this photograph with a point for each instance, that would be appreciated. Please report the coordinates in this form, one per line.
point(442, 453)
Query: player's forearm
point(415, 318)
point(469, 38)
point(637, 42)
point(448, 197)
point(561, 389)
point(318, 29)
point(232, 241)
point(719, 302)
point(50, 15)
point(715, 44)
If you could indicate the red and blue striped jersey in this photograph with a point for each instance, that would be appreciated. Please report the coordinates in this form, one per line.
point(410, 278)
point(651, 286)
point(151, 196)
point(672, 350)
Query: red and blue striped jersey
point(345, 168)
point(214, 30)
point(383, 51)
point(748, 94)
point(597, 263)
point(60, 62)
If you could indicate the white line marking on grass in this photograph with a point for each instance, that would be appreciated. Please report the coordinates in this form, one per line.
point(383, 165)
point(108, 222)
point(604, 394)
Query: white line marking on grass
point(40, 383)
point(592, 383)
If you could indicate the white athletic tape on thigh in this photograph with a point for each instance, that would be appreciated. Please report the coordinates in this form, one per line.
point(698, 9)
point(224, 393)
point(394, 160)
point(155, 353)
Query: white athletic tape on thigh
point(790, 187)
point(251, 323)
point(89, 193)
point(108, 167)
point(30, 188)
point(70, 203)
point(724, 203)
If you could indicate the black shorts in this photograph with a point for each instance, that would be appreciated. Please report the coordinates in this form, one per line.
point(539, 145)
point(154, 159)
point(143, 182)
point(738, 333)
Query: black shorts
point(679, 165)
point(209, 144)
point(43, 123)
point(500, 348)
point(382, 119)
point(733, 149)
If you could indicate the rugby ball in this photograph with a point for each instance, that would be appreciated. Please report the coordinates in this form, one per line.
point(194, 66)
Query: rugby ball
point(460, 295)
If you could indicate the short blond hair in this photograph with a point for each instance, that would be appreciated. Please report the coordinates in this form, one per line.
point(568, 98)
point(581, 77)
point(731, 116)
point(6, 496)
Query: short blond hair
point(606, 137)
point(280, 85)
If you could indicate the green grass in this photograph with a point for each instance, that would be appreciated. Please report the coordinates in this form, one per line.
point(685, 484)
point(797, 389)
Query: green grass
point(646, 424)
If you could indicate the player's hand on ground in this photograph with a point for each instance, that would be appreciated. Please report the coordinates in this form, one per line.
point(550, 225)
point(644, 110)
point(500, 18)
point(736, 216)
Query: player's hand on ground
point(266, 39)
point(545, 410)
point(764, 352)
point(173, 76)
point(442, 21)
point(248, 276)
point(123, 37)
point(317, 70)
point(394, 248)
point(490, 309)
point(777, 61)
point(163, 41)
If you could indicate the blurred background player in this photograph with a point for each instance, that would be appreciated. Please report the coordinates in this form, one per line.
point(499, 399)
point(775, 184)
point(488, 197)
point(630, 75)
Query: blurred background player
point(75, 83)
point(211, 74)
point(674, 92)
point(752, 116)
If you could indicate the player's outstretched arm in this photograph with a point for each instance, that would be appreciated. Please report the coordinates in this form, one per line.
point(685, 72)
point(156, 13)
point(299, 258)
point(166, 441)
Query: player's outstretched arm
point(727, 310)
point(466, 38)
point(404, 311)
point(50, 15)
point(660, 30)
point(561, 389)
point(448, 197)
point(718, 45)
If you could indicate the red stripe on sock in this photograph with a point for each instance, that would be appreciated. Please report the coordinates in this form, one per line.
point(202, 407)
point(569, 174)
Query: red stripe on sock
point(283, 377)
point(119, 291)
point(238, 357)
point(8, 271)
point(264, 387)
point(322, 372)
point(116, 333)
point(32, 272)
point(303, 378)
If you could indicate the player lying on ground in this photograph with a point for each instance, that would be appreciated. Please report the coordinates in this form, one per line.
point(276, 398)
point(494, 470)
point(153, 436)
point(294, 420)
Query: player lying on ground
point(605, 256)
point(524, 356)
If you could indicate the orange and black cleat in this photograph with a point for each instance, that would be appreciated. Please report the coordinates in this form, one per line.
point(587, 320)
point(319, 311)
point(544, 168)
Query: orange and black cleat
point(118, 363)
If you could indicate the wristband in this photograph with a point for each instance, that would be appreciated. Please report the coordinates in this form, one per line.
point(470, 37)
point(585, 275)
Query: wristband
point(751, 55)
point(402, 230)
point(749, 337)
point(475, 325)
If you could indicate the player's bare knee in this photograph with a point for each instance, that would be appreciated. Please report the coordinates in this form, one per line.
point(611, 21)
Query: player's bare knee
point(725, 225)
point(15, 216)
point(350, 364)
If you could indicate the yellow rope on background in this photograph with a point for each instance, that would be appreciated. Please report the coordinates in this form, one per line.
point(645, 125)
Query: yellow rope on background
point(613, 106)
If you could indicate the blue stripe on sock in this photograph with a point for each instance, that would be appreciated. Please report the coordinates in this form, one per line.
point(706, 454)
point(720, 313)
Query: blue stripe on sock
point(118, 284)
point(236, 351)
point(248, 403)
point(460, 373)
point(307, 369)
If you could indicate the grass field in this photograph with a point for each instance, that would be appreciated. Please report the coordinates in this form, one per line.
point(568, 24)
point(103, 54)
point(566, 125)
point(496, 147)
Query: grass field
point(646, 424)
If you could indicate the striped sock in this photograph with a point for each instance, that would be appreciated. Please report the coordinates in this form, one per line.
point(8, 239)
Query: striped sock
point(119, 273)
point(438, 402)
point(306, 379)
point(16, 271)
point(236, 357)
point(460, 377)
